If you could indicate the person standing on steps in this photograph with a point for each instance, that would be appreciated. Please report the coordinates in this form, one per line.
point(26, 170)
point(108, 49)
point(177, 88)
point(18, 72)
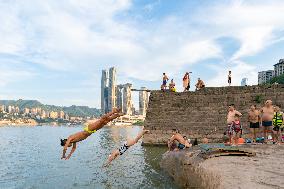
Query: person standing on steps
point(165, 80)
point(230, 78)
point(186, 82)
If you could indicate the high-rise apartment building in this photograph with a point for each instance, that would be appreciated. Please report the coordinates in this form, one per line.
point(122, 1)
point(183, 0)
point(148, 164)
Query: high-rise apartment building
point(265, 76)
point(143, 101)
point(279, 68)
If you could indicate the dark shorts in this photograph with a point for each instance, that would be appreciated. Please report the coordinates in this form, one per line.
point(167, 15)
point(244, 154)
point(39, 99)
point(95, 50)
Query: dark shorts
point(181, 146)
point(254, 125)
point(267, 123)
point(229, 80)
point(276, 128)
point(123, 148)
point(165, 82)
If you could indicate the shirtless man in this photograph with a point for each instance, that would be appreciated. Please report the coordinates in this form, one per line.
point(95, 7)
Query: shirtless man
point(230, 78)
point(124, 147)
point(232, 112)
point(253, 119)
point(88, 130)
point(200, 84)
point(182, 143)
point(165, 79)
point(266, 118)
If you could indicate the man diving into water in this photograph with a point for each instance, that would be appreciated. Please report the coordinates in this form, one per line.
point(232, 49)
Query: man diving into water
point(124, 147)
point(88, 130)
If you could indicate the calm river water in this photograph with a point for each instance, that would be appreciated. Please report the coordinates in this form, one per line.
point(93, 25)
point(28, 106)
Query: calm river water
point(30, 158)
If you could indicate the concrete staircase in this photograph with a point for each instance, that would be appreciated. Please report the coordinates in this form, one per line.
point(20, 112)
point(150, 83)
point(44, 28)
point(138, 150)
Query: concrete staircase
point(203, 113)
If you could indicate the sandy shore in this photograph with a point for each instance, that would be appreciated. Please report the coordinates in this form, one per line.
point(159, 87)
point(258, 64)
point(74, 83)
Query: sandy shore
point(265, 170)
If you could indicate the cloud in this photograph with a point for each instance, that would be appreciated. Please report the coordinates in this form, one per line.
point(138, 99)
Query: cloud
point(239, 70)
point(82, 37)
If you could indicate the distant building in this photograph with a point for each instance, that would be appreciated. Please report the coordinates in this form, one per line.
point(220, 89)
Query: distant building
point(104, 92)
point(265, 76)
point(112, 89)
point(127, 99)
point(279, 68)
point(244, 82)
point(26, 111)
point(53, 115)
point(43, 114)
point(17, 109)
point(66, 117)
point(119, 96)
point(124, 98)
point(61, 114)
point(3, 108)
point(33, 111)
point(143, 101)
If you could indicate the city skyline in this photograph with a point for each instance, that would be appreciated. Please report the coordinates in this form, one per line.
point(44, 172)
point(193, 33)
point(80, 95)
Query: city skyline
point(54, 51)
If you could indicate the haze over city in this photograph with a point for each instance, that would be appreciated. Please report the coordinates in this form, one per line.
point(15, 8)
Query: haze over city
point(54, 51)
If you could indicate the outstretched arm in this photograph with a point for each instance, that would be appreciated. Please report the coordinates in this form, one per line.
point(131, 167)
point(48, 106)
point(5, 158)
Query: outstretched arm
point(139, 136)
point(72, 151)
point(111, 157)
point(65, 148)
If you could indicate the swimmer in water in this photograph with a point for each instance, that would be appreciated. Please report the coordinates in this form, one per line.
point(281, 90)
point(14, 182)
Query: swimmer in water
point(88, 130)
point(124, 147)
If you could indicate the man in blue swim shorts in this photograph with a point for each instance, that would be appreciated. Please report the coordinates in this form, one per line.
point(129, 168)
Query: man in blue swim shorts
point(266, 118)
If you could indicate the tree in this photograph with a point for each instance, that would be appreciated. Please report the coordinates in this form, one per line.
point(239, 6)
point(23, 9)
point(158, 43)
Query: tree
point(278, 79)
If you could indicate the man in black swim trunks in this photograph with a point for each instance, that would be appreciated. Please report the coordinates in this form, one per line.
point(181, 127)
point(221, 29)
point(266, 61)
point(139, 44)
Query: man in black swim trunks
point(254, 119)
point(124, 147)
point(182, 143)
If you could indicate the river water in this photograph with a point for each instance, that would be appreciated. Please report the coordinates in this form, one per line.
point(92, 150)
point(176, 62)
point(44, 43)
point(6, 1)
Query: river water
point(30, 158)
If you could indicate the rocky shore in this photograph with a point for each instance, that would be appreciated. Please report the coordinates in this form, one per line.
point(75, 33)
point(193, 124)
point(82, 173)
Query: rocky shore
point(193, 169)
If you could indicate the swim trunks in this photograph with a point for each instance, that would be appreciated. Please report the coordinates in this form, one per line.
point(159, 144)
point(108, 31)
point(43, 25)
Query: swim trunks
point(229, 80)
point(86, 128)
point(123, 148)
point(164, 82)
point(181, 146)
point(254, 125)
point(267, 123)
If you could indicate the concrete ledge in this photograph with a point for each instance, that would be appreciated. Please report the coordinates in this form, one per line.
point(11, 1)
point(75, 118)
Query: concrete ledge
point(190, 170)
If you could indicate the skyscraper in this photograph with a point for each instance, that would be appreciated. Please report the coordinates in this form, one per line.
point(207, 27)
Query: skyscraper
point(119, 96)
point(104, 92)
point(143, 101)
point(127, 99)
point(112, 89)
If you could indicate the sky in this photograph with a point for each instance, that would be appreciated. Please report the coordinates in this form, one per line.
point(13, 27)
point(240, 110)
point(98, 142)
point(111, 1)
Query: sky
point(53, 51)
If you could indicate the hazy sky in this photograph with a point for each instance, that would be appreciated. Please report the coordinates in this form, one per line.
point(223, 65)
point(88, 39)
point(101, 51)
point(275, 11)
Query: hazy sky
point(54, 51)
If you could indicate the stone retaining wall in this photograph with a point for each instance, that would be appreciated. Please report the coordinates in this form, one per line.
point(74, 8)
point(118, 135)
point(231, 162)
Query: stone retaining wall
point(203, 113)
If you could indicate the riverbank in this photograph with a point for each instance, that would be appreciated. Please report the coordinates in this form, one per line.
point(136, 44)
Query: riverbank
point(264, 170)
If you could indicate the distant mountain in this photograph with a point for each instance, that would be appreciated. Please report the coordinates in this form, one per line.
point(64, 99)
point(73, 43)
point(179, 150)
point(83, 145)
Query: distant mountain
point(73, 110)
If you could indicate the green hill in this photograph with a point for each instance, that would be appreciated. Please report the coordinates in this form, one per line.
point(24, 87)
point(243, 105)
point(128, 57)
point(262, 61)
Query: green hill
point(82, 111)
